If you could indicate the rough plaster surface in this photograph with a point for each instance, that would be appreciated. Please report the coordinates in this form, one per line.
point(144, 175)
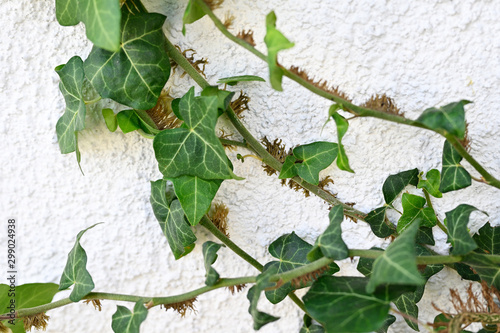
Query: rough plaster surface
point(421, 53)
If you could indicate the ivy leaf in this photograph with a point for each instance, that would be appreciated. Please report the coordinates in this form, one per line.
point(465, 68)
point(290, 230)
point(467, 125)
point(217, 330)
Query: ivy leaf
point(365, 265)
point(458, 235)
point(425, 236)
point(223, 97)
point(192, 14)
point(75, 272)
point(341, 304)
point(288, 170)
point(260, 318)
point(124, 321)
point(397, 265)
point(110, 119)
point(73, 119)
point(275, 42)
point(233, 80)
point(407, 305)
point(432, 183)
point(413, 210)
point(179, 235)
point(210, 255)
point(388, 322)
point(128, 121)
point(487, 268)
point(444, 320)
point(193, 149)
point(311, 329)
point(330, 242)
point(101, 18)
point(449, 118)
point(395, 184)
point(453, 175)
point(195, 195)
point(377, 221)
point(466, 272)
point(314, 157)
point(135, 74)
point(26, 296)
point(488, 239)
point(342, 126)
point(291, 251)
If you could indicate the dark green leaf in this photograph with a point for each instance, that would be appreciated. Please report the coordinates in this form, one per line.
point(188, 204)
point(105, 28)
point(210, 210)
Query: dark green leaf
point(487, 266)
point(444, 320)
point(395, 184)
point(314, 157)
point(397, 265)
point(453, 175)
point(432, 183)
point(260, 318)
point(192, 14)
point(233, 80)
point(135, 74)
point(365, 265)
point(488, 239)
point(124, 321)
point(210, 255)
point(388, 322)
point(194, 149)
point(223, 97)
point(449, 118)
point(288, 170)
point(275, 42)
point(195, 195)
point(458, 234)
point(330, 242)
point(413, 210)
point(466, 272)
point(311, 329)
point(73, 119)
point(380, 226)
point(75, 272)
point(170, 215)
point(341, 304)
point(128, 121)
point(110, 119)
point(425, 236)
point(342, 126)
point(146, 123)
point(406, 304)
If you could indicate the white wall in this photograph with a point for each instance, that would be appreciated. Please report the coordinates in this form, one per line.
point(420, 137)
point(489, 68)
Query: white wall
point(421, 53)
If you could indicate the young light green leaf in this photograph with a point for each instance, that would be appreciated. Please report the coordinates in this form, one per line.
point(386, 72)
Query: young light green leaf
point(395, 184)
point(75, 273)
point(292, 252)
point(135, 74)
point(73, 119)
point(397, 265)
point(223, 97)
point(170, 215)
point(110, 119)
point(288, 170)
point(432, 183)
point(128, 121)
point(453, 175)
point(449, 118)
point(413, 210)
point(330, 242)
point(260, 318)
point(488, 239)
point(275, 42)
point(210, 255)
point(458, 235)
point(193, 149)
point(312, 158)
point(487, 268)
point(192, 14)
point(341, 304)
point(380, 226)
point(67, 12)
point(126, 321)
point(195, 195)
point(342, 126)
point(233, 80)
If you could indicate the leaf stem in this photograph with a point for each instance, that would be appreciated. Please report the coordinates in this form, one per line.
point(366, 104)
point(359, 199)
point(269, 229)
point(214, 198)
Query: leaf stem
point(234, 143)
point(95, 100)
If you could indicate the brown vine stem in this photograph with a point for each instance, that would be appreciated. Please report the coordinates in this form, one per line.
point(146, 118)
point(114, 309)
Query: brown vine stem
point(348, 106)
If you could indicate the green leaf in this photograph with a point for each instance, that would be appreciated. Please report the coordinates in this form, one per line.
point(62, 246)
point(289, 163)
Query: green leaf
point(330, 242)
point(487, 268)
point(210, 255)
point(75, 272)
point(425, 236)
point(341, 304)
point(466, 272)
point(311, 329)
point(73, 119)
point(314, 157)
point(292, 252)
point(288, 170)
point(342, 126)
point(275, 42)
point(124, 321)
point(388, 322)
point(110, 119)
point(67, 12)
point(223, 97)
point(195, 195)
point(432, 183)
point(128, 121)
point(365, 265)
point(488, 239)
point(135, 74)
point(233, 80)
point(449, 118)
point(192, 14)
point(407, 305)
point(377, 221)
point(442, 319)
point(170, 215)
point(395, 184)
point(453, 175)
point(260, 318)
point(413, 210)
point(397, 265)
point(25, 296)
point(458, 235)
point(193, 149)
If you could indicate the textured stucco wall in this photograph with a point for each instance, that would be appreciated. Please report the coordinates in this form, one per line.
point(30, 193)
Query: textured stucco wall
point(421, 53)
